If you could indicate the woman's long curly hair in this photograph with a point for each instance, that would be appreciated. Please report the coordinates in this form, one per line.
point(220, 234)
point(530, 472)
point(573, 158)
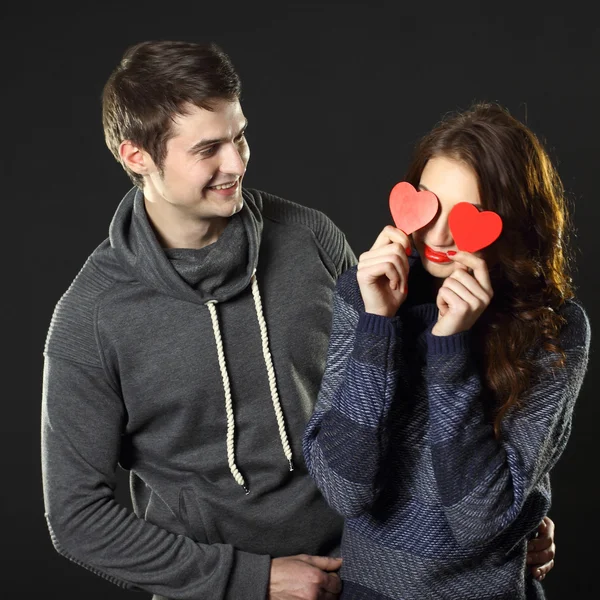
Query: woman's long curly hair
point(529, 271)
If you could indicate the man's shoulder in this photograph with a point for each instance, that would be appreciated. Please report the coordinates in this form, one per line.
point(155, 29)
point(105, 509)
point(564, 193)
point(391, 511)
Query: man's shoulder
point(328, 236)
point(282, 210)
point(71, 334)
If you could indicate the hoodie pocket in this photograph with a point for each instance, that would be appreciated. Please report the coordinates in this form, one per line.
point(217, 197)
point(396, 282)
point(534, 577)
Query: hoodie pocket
point(158, 513)
point(191, 516)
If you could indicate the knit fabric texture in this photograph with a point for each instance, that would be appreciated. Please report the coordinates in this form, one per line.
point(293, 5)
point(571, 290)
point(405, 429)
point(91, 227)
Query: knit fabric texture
point(402, 444)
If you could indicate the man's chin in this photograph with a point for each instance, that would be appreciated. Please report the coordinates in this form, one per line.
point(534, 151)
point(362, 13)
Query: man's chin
point(237, 207)
point(234, 206)
point(227, 206)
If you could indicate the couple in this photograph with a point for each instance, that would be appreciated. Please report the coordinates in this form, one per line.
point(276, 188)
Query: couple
point(191, 347)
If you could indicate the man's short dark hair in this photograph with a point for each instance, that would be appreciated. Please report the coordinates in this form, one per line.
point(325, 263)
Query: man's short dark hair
point(153, 83)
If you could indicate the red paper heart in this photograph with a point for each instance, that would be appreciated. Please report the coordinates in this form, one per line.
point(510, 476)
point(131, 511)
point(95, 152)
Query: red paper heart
point(473, 230)
point(410, 209)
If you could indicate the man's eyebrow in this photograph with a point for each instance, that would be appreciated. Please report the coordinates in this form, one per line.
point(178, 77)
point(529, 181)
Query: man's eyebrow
point(212, 142)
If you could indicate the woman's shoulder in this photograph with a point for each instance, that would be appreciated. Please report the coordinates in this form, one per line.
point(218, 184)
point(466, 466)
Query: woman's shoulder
point(347, 288)
point(576, 330)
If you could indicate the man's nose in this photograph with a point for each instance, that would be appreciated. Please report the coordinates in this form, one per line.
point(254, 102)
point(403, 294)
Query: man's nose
point(233, 161)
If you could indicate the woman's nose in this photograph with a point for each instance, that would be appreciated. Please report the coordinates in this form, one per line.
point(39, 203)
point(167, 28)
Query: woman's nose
point(438, 232)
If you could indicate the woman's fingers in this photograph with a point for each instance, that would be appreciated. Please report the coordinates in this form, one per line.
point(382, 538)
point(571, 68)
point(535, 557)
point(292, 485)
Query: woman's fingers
point(471, 284)
point(383, 253)
point(464, 293)
point(390, 248)
point(398, 259)
point(379, 259)
point(371, 273)
point(447, 297)
point(463, 296)
point(382, 272)
point(391, 234)
point(478, 266)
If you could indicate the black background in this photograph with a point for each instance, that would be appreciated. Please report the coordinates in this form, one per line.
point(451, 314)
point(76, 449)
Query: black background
point(336, 96)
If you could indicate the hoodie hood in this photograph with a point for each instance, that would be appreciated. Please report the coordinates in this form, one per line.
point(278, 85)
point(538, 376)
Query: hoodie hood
point(223, 269)
point(208, 276)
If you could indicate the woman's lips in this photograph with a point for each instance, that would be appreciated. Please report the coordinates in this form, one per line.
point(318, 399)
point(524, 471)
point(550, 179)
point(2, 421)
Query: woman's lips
point(435, 256)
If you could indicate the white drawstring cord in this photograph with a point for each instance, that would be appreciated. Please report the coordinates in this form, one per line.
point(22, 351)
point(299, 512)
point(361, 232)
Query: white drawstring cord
point(271, 372)
point(227, 388)
point(228, 401)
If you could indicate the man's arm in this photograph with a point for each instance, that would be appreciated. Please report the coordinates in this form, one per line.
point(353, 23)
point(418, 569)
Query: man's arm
point(83, 418)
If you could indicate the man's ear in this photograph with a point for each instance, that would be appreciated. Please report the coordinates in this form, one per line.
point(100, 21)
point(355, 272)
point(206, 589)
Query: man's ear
point(135, 159)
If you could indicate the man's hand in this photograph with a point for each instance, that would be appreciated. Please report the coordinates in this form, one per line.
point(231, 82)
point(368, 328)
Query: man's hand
point(304, 577)
point(542, 549)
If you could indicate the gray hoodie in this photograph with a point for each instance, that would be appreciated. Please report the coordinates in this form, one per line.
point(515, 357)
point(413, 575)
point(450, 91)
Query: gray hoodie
point(197, 371)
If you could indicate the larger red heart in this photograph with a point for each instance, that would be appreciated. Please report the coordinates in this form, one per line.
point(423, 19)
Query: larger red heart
point(410, 209)
point(473, 230)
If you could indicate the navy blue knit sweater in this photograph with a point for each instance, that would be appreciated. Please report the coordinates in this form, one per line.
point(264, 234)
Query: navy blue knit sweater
point(402, 444)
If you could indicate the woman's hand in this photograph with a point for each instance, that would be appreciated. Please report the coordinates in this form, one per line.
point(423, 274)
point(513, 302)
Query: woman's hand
point(542, 550)
point(383, 272)
point(463, 296)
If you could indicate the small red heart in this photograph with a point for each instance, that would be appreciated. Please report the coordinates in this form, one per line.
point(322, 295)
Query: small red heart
point(473, 230)
point(410, 209)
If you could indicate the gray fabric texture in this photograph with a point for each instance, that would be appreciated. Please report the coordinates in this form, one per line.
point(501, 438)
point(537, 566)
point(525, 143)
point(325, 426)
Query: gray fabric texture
point(131, 377)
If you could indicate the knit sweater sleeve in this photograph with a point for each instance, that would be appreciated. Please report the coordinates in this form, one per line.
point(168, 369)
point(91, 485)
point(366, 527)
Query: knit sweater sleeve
point(346, 437)
point(83, 419)
point(484, 482)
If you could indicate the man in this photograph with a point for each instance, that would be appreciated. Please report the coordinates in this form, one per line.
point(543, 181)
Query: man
point(189, 349)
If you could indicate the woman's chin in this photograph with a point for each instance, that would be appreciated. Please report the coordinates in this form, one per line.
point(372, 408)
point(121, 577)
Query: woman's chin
point(437, 269)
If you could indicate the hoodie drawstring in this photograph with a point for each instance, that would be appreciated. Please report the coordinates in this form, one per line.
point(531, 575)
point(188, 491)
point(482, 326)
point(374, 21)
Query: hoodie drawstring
point(227, 388)
point(271, 372)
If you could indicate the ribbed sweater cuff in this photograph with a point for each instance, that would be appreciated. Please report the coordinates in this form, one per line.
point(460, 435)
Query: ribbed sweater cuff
point(448, 344)
point(249, 576)
point(384, 326)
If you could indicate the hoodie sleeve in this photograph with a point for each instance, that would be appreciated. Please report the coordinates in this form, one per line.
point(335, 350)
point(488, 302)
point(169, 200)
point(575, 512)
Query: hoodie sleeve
point(347, 258)
point(336, 251)
point(484, 482)
point(346, 438)
point(83, 419)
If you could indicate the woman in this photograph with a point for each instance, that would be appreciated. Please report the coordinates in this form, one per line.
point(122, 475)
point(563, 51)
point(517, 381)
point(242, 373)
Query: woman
point(451, 377)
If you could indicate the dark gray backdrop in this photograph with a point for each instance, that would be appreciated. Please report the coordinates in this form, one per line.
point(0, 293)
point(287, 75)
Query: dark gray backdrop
point(336, 96)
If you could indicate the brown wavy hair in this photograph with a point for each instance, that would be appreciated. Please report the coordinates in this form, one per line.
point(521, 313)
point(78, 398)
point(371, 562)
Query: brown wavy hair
point(529, 263)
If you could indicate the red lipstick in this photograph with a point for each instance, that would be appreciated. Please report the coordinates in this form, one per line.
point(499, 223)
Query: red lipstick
point(435, 256)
